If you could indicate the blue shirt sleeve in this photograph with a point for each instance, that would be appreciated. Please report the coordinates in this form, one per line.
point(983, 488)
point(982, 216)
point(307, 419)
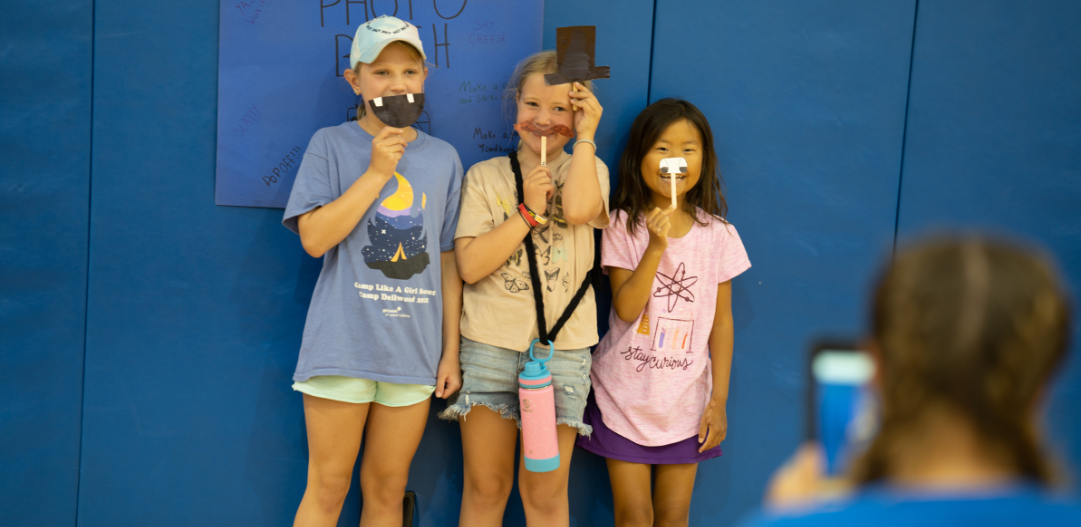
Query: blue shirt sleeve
point(454, 198)
point(312, 187)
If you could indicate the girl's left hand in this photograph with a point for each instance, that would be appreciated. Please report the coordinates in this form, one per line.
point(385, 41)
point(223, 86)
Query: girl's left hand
point(715, 423)
point(587, 111)
point(448, 378)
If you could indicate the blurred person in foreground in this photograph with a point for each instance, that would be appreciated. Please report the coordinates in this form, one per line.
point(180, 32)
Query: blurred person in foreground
point(966, 336)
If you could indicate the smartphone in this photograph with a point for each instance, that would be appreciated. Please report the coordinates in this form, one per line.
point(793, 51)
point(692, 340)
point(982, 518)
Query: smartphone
point(843, 416)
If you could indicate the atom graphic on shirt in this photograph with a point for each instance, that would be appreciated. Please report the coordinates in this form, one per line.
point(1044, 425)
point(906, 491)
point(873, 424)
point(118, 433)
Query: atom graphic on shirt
point(676, 286)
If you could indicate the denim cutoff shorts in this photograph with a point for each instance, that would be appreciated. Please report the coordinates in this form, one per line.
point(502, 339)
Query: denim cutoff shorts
point(490, 378)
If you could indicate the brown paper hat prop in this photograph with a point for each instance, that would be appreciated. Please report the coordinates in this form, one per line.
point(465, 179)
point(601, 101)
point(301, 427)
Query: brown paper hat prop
point(575, 48)
point(398, 111)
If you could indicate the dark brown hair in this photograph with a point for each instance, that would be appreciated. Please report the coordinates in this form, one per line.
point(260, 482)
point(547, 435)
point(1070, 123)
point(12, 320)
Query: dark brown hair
point(633, 196)
point(975, 327)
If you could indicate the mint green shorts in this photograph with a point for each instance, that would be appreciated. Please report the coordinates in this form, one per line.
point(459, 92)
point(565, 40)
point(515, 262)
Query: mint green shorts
point(360, 391)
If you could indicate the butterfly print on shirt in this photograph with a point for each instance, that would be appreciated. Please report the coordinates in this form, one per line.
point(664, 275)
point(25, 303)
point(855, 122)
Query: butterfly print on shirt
point(513, 284)
point(552, 278)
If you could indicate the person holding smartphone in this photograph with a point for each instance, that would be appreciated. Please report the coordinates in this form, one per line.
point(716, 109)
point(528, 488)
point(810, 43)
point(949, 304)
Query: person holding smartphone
point(966, 335)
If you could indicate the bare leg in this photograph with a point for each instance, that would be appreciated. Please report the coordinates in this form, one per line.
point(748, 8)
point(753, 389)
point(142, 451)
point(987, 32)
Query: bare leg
point(544, 494)
point(672, 496)
point(488, 442)
point(631, 496)
point(393, 438)
point(334, 433)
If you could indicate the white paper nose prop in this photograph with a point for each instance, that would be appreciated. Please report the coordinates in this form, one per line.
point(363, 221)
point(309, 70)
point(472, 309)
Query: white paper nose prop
point(673, 166)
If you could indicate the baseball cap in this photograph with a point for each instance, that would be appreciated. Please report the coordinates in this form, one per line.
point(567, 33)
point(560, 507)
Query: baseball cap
point(375, 34)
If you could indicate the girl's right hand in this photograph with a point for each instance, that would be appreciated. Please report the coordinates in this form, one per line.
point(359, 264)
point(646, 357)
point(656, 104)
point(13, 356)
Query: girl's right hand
point(538, 189)
point(802, 481)
point(658, 222)
point(387, 149)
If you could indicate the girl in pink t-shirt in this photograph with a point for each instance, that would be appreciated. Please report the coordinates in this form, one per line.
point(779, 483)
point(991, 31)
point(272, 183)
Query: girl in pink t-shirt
point(660, 375)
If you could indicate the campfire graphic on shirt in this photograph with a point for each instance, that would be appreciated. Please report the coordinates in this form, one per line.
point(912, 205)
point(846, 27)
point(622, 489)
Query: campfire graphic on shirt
point(399, 245)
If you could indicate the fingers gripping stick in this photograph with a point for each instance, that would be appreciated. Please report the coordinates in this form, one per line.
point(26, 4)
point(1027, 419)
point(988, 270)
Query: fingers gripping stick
point(673, 166)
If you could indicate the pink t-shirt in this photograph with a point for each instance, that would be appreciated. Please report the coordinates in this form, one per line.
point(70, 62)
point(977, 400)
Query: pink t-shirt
point(652, 377)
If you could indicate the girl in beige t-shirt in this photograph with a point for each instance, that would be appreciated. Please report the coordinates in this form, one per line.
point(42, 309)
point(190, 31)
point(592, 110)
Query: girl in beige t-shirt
point(499, 318)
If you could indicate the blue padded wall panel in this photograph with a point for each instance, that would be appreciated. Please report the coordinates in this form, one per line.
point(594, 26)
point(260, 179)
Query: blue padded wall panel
point(195, 310)
point(807, 103)
point(994, 143)
point(45, 71)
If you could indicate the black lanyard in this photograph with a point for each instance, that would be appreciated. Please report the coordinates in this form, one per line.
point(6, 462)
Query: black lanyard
point(531, 252)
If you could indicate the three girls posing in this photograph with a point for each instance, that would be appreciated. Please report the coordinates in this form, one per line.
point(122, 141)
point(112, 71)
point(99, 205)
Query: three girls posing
point(366, 374)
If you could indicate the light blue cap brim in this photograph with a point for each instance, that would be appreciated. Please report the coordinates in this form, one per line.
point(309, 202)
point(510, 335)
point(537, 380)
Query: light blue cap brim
point(373, 36)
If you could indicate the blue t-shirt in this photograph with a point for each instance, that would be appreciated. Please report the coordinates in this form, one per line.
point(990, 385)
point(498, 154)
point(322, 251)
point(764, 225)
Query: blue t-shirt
point(377, 309)
point(1018, 506)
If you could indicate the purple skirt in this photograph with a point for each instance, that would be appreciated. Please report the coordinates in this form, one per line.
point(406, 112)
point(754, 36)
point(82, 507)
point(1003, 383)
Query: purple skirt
point(606, 443)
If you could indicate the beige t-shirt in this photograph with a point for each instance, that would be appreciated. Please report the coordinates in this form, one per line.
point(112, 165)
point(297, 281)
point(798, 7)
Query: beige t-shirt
point(499, 309)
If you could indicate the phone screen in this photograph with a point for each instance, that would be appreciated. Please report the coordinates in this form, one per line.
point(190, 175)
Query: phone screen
point(845, 409)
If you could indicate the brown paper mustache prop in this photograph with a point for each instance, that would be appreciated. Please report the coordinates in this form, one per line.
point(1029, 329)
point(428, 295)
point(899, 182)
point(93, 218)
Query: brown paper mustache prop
point(549, 131)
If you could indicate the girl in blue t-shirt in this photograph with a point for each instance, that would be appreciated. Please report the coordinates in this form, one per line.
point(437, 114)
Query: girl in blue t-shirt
point(382, 330)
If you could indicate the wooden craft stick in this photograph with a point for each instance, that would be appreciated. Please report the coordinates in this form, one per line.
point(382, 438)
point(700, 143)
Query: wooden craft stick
point(544, 150)
point(673, 180)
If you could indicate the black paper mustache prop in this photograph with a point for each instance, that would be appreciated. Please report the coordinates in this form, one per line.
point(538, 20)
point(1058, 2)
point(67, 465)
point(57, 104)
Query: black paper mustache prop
point(398, 111)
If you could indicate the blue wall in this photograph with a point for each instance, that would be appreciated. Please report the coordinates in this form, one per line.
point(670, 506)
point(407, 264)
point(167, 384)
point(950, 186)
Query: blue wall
point(994, 144)
point(837, 123)
point(45, 73)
